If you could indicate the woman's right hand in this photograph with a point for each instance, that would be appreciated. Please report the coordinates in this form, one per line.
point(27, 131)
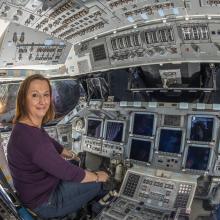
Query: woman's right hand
point(102, 176)
point(99, 176)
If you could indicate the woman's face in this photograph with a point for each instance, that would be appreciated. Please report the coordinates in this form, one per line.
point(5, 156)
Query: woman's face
point(38, 99)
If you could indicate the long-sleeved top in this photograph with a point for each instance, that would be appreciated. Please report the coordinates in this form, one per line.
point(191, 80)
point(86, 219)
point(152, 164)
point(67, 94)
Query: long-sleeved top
point(36, 165)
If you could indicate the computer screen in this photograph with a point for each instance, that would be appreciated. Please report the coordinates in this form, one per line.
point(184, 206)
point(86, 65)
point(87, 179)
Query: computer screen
point(170, 140)
point(114, 131)
point(197, 158)
point(140, 150)
point(143, 124)
point(94, 128)
point(201, 128)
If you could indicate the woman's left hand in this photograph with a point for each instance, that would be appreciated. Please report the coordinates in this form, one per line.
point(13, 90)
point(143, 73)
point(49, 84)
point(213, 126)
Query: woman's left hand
point(69, 155)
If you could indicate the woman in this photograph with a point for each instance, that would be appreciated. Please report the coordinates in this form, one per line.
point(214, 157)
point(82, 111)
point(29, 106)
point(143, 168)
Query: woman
point(44, 180)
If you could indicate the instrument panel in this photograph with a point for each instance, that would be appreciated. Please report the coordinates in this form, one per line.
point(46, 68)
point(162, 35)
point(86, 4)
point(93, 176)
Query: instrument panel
point(111, 34)
point(79, 20)
point(173, 139)
point(165, 150)
point(176, 41)
point(144, 195)
point(20, 46)
point(168, 145)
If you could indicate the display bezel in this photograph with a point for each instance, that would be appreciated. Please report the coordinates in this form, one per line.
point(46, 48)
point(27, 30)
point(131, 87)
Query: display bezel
point(157, 142)
point(101, 131)
point(211, 155)
point(181, 120)
point(137, 161)
point(105, 131)
point(214, 129)
point(131, 129)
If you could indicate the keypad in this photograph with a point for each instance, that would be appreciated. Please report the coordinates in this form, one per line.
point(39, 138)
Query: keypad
point(183, 195)
point(131, 185)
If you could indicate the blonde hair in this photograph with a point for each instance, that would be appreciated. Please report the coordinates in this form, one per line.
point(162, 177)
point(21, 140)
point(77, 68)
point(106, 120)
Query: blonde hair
point(21, 101)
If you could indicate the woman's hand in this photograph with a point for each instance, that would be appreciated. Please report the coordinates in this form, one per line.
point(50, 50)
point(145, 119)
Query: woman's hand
point(69, 155)
point(99, 176)
point(102, 176)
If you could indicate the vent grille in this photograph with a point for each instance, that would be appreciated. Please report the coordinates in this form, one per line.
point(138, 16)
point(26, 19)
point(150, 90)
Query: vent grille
point(99, 53)
point(172, 120)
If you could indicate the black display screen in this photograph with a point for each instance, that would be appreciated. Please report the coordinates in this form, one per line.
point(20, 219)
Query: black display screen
point(140, 150)
point(143, 124)
point(197, 158)
point(201, 129)
point(94, 128)
point(170, 141)
point(114, 131)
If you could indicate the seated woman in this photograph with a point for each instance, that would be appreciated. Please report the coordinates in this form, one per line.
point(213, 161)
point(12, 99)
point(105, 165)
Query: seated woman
point(45, 182)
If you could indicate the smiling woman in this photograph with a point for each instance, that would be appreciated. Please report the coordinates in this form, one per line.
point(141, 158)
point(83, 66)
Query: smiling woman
point(38, 102)
point(65, 95)
point(34, 103)
point(44, 180)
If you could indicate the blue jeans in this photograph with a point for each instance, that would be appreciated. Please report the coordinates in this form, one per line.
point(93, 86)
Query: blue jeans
point(68, 198)
point(217, 213)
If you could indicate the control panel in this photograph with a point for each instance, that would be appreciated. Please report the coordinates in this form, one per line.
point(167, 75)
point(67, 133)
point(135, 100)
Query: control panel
point(156, 135)
point(66, 19)
point(80, 20)
point(111, 34)
point(171, 161)
point(61, 133)
point(102, 148)
point(92, 145)
point(173, 41)
point(65, 135)
point(157, 191)
point(112, 149)
point(149, 194)
point(127, 209)
point(21, 47)
point(104, 137)
point(52, 132)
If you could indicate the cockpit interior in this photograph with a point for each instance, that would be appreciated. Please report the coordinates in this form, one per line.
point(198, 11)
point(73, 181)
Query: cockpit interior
point(136, 93)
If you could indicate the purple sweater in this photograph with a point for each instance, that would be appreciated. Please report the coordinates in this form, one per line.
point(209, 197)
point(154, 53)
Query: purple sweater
point(36, 166)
